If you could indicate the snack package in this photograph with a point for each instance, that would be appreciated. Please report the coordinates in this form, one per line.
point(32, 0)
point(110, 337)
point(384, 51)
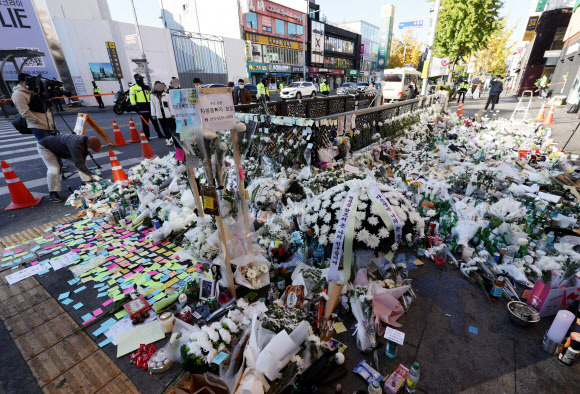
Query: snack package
point(397, 379)
point(367, 372)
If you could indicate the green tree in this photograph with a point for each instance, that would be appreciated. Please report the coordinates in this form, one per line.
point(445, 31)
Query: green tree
point(493, 59)
point(465, 27)
point(407, 50)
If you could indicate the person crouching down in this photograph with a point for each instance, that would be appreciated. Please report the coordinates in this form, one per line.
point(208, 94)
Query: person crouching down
point(72, 147)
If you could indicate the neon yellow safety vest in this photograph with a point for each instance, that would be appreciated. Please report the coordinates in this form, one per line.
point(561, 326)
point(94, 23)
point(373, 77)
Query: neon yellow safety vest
point(281, 86)
point(464, 85)
point(262, 90)
point(96, 90)
point(324, 87)
point(137, 95)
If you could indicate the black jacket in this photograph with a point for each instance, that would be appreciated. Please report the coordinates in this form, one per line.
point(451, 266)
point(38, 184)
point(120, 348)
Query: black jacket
point(69, 146)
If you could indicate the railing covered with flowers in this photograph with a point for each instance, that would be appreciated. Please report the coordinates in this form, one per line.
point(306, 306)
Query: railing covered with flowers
point(290, 140)
point(313, 107)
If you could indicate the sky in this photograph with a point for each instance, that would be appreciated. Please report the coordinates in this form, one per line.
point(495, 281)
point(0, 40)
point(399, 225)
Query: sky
point(338, 11)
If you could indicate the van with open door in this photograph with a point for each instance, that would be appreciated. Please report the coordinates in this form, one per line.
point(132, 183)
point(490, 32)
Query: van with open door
point(396, 81)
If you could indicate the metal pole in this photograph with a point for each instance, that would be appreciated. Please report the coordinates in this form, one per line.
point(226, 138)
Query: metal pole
point(304, 43)
point(431, 44)
point(404, 54)
point(141, 45)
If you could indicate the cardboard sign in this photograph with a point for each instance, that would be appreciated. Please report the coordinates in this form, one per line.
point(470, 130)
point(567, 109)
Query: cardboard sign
point(216, 111)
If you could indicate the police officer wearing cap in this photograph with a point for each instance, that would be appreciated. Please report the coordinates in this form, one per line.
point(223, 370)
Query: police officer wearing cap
point(139, 95)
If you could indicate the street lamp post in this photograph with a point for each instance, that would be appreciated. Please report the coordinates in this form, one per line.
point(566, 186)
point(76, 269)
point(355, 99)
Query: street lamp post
point(431, 44)
point(145, 66)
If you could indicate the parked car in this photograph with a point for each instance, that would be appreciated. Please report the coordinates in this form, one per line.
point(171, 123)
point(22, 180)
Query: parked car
point(213, 85)
point(298, 90)
point(347, 88)
point(363, 87)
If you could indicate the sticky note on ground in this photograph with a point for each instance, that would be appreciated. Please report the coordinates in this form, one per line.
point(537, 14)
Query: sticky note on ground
point(339, 327)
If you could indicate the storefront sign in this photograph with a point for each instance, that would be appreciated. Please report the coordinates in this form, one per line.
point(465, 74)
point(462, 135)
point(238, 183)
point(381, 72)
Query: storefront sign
point(541, 5)
point(323, 70)
point(572, 48)
point(317, 43)
point(351, 72)
point(531, 28)
point(386, 32)
point(257, 67)
point(248, 51)
point(313, 69)
point(287, 12)
point(114, 58)
point(553, 53)
point(335, 71)
point(273, 41)
point(362, 48)
point(297, 69)
point(21, 29)
point(280, 68)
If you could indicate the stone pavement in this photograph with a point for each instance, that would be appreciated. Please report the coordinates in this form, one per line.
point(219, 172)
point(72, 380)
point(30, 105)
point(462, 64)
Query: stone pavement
point(564, 123)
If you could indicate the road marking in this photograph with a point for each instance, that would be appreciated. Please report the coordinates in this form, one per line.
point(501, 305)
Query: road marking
point(37, 156)
point(19, 144)
point(12, 152)
point(14, 138)
point(42, 181)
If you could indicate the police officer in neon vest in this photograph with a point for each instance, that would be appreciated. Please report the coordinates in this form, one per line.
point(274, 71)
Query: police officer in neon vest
point(324, 88)
point(263, 92)
point(139, 95)
point(97, 90)
point(463, 86)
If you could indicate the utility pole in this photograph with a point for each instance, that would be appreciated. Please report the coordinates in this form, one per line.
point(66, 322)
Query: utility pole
point(431, 45)
point(145, 66)
point(304, 41)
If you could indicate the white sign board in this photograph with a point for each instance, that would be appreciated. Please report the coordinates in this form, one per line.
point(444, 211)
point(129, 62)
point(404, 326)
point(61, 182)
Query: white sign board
point(131, 39)
point(216, 111)
point(80, 125)
point(184, 104)
point(436, 68)
point(395, 336)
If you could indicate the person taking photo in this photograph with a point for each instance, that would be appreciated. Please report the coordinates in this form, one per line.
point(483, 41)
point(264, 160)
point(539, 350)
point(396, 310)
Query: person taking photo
point(72, 147)
point(29, 105)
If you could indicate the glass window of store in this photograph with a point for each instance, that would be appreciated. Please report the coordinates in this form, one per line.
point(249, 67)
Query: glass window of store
point(280, 28)
point(338, 45)
point(256, 53)
point(337, 62)
point(279, 55)
point(295, 31)
point(251, 20)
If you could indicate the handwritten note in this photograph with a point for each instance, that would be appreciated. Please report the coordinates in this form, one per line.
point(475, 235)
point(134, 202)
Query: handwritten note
point(394, 335)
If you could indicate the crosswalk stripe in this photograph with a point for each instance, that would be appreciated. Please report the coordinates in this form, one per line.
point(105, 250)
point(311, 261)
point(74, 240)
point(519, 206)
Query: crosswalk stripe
point(13, 152)
point(19, 144)
point(10, 132)
point(42, 181)
point(37, 156)
point(20, 137)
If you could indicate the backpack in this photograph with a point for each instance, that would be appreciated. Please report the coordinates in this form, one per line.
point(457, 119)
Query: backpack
point(19, 124)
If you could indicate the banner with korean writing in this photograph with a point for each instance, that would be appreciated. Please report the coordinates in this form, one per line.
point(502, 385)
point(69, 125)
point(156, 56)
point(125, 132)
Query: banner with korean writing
point(216, 111)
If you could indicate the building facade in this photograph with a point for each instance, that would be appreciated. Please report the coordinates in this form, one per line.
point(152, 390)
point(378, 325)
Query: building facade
point(275, 37)
point(368, 49)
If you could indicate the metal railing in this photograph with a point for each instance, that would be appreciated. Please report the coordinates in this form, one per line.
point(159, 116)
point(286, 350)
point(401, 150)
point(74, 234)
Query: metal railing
point(313, 107)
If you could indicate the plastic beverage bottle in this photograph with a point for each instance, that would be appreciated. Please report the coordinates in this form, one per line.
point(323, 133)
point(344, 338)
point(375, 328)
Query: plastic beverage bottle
point(497, 288)
point(375, 388)
point(413, 378)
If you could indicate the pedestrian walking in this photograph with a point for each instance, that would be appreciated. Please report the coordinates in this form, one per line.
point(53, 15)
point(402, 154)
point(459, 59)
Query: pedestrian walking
point(72, 147)
point(97, 90)
point(263, 92)
point(463, 87)
point(324, 89)
point(161, 110)
point(139, 95)
point(241, 95)
point(29, 106)
point(496, 87)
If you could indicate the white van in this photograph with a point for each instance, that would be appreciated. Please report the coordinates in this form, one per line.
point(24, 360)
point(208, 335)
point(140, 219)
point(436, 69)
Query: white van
point(396, 82)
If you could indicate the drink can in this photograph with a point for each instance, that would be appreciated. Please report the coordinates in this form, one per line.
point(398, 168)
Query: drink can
point(496, 257)
point(156, 224)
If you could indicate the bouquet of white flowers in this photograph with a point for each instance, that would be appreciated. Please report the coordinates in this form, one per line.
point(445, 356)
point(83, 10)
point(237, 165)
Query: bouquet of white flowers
point(373, 229)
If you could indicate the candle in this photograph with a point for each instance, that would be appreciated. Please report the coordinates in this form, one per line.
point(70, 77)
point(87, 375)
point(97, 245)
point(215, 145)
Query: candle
point(467, 253)
point(560, 326)
point(166, 319)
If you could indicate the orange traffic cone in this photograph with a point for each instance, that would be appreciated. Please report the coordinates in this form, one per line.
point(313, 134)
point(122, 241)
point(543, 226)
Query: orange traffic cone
point(134, 133)
point(550, 117)
point(460, 110)
point(21, 197)
point(540, 117)
point(146, 148)
point(119, 140)
point(118, 173)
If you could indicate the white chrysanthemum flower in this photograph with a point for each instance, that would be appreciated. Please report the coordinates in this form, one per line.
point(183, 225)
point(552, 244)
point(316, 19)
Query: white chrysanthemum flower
point(373, 220)
point(373, 241)
point(225, 335)
point(362, 206)
point(327, 218)
point(264, 268)
point(213, 336)
point(383, 233)
point(323, 240)
point(251, 273)
point(363, 235)
point(324, 229)
point(360, 215)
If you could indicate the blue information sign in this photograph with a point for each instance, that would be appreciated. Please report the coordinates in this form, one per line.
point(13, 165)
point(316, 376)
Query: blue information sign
point(412, 24)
